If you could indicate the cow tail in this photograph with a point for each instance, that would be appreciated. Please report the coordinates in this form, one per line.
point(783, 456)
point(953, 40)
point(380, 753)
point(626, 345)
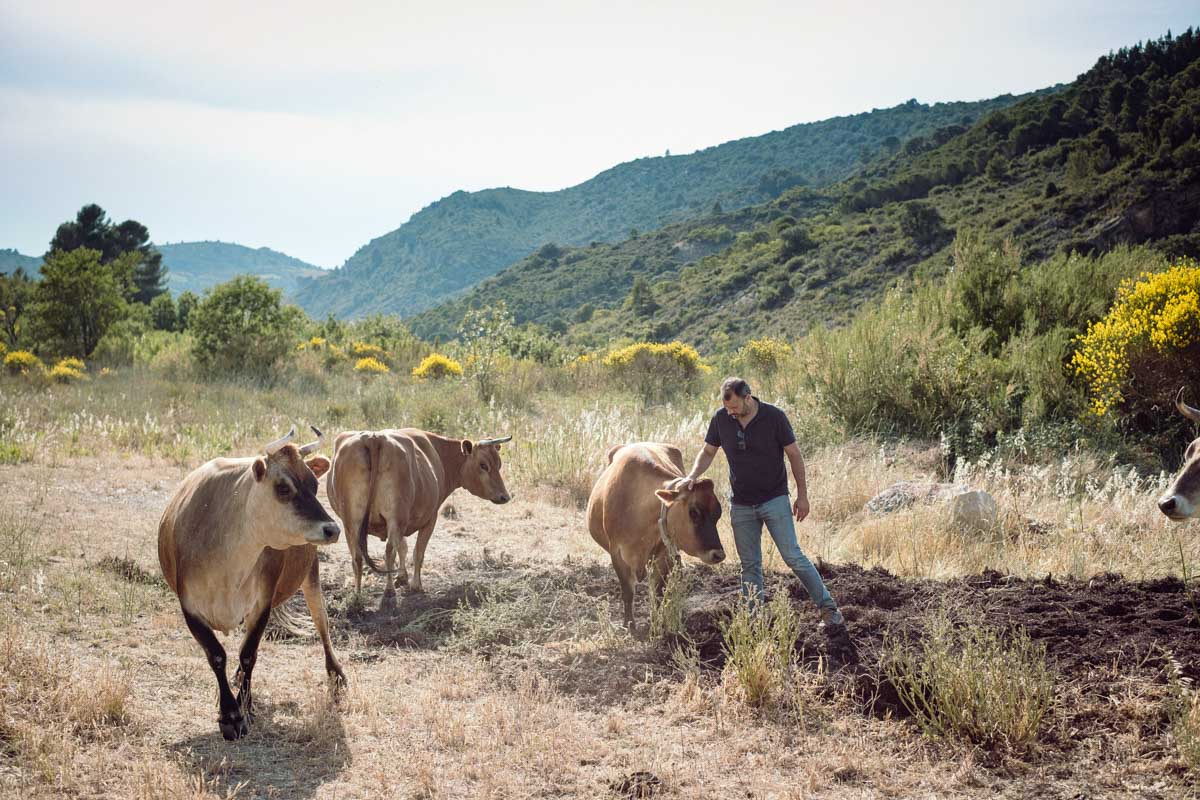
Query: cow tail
point(374, 443)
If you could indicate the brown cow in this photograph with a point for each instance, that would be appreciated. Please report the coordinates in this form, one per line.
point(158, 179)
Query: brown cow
point(1181, 501)
point(392, 483)
point(639, 512)
point(237, 539)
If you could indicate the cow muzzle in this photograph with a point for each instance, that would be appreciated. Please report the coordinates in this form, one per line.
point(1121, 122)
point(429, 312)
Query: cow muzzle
point(328, 533)
point(714, 556)
point(1176, 507)
point(501, 498)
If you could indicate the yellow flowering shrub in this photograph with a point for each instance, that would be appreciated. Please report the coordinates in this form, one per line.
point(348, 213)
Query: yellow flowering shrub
point(370, 366)
point(655, 370)
point(1140, 348)
point(365, 350)
point(68, 370)
point(765, 356)
point(3, 350)
point(21, 362)
point(436, 366)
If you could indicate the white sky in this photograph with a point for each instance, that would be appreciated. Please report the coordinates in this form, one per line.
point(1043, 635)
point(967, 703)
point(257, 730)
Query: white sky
point(289, 126)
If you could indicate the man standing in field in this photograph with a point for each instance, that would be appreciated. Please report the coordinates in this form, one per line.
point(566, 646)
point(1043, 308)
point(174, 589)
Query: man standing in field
point(755, 437)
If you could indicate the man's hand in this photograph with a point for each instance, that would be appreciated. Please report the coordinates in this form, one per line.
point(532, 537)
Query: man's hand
point(800, 508)
point(686, 482)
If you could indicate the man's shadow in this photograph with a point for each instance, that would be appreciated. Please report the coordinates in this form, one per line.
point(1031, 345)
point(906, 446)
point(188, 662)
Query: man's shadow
point(291, 757)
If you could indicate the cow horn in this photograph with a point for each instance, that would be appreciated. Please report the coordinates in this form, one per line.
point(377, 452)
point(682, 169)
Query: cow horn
point(280, 442)
point(1191, 413)
point(311, 446)
point(497, 440)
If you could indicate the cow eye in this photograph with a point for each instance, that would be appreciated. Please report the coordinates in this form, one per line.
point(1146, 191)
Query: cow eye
point(694, 514)
point(485, 468)
point(282, 491)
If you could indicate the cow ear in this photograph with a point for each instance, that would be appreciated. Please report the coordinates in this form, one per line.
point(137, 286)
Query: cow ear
point(467, 447)
point(260, 469)
point(705, 482)
point(667, 495)
point(319, 465)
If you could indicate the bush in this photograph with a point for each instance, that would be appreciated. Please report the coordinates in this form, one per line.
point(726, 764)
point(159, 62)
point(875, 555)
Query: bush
point(765, 356)
point(371, 366)
point(240, 327)
point(437, 366)
point(759, 648)
point(971, 683)
point(1136, 358)
point(654, 370)
point(21, 362)
point(363, 350)
point(69, 370)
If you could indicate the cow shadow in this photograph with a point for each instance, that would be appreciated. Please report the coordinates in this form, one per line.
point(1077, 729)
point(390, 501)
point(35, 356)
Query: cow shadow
point(289, 752)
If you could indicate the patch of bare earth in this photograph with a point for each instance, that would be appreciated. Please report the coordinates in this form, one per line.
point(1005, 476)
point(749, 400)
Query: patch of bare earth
point(509, 678)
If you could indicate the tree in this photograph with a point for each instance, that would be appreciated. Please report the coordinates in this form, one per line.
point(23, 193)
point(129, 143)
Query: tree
point(164, 313)
point(184, 306)
point(16, 295)
point(240, 327)
point(93, 229)
point(484, 334)
point(921, 222)
point(641, 299)
point(78, 299)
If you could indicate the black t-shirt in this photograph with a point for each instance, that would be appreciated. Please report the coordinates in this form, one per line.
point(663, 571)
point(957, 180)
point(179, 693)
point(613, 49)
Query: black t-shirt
point(755, 454)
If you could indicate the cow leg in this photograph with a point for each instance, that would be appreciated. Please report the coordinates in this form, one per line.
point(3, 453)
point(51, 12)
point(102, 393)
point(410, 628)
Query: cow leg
point(423, 535)
point(402, 552)
point(358, 568)
point(248, 655)
point(316, 609)
point(625, 576)
point(660, 570)
point(388, 603)
point(231, 722)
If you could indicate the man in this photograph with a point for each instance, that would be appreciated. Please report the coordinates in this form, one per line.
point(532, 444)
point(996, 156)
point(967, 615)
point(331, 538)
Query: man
point(755, 436)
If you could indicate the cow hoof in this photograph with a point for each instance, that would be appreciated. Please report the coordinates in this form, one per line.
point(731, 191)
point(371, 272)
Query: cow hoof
point(401, 581)
point(417, 589)
point(234, 727)
point(388, 603)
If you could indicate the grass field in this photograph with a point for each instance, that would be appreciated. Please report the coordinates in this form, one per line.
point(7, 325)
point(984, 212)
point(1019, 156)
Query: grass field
point(511, 676)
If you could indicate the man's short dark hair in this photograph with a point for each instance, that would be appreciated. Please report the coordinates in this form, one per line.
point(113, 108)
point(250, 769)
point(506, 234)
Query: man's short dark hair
point(732, 386)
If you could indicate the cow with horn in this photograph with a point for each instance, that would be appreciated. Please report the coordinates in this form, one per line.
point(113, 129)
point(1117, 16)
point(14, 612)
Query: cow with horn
point(1181, 501)
point(237, 539)
point(392, 483)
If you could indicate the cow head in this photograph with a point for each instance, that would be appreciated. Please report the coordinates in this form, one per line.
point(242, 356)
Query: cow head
point(284, 500)
point(480, 473)
point(692, 516)
point(1181, 501)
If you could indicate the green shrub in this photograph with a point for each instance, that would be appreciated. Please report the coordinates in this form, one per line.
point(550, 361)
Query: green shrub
point(240, 327)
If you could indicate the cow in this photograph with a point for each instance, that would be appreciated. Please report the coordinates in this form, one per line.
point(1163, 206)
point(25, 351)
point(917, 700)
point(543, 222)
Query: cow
point(237, 539)
point(639, 511)
point(1181, 501)
point(392, 483)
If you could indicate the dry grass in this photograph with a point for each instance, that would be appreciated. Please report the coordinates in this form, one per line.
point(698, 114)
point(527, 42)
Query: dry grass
point(536, 690)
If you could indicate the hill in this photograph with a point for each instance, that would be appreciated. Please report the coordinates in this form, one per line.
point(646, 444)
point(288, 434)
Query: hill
point(1112, 158)
point(466, 237)
point(196, 266)
point(11, 260)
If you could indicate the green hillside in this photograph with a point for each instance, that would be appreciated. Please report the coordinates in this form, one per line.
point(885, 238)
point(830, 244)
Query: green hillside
point(196, 266)
point(1113, 158)
point(466, 237)
point(11, 260)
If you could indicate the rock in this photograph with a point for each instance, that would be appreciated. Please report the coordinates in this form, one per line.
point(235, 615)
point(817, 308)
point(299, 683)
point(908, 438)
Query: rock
point(968, 509)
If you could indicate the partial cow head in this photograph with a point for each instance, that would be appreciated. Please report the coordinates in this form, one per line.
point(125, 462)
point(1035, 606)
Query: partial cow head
point(480, 473)
point(286, 510)
point(692, 516)
point(1182, 498)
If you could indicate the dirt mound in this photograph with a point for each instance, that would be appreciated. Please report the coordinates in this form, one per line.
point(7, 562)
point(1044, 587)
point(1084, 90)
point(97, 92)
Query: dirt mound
point(1098, 633)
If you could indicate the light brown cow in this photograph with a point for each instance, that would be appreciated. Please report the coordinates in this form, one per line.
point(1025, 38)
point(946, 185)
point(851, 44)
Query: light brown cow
point(237, 539)
point(638, 512)
point(1181, 501)
point(392, 483)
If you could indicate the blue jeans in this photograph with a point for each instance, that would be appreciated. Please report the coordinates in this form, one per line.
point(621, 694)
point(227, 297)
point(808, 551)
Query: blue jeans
point(747, 524)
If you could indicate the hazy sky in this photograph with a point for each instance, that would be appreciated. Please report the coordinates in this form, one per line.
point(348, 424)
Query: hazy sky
point(311, 132)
